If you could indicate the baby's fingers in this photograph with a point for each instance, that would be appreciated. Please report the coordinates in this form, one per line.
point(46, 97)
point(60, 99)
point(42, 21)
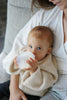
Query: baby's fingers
point(30, 63)
point(15, 62)
point(26, 69)
point(33, 60)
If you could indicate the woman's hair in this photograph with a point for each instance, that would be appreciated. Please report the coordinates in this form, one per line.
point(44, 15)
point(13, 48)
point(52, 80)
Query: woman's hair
point(45, 4)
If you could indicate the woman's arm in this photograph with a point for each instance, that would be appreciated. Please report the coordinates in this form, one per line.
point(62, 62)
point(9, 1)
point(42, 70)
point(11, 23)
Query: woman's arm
point(15, 92)
point(19, 42)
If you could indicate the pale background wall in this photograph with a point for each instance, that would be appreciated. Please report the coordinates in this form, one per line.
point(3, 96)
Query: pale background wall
point(3, 17)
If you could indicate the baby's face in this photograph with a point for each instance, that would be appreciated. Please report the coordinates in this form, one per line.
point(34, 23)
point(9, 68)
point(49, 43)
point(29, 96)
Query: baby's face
point(39, 47)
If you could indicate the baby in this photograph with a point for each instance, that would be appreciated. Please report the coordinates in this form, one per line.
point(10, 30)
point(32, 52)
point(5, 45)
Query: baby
point(41, 73)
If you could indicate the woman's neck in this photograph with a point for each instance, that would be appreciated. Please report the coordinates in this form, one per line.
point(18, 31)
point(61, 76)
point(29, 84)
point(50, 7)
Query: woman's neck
point(65, 13)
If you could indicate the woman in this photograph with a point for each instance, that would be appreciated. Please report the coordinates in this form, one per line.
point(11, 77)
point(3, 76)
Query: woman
point(56, 19)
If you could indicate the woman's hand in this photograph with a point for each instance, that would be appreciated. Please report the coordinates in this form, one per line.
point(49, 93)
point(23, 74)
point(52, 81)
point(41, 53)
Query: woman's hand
point(33, 65)
point(17, 94)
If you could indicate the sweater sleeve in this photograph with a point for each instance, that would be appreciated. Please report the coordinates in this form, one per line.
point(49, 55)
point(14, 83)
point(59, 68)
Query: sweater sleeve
point(44, 77)
point(21, 40)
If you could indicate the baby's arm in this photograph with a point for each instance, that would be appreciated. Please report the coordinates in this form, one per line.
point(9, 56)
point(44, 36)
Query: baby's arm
point(45, 76)
point(33, 65)
point(13, 68)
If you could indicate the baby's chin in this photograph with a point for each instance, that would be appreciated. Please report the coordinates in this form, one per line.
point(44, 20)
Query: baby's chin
point(38, 59)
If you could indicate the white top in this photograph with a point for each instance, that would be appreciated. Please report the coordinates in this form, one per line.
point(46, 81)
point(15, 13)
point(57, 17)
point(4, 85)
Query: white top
point(54, 19)
point(65, 47)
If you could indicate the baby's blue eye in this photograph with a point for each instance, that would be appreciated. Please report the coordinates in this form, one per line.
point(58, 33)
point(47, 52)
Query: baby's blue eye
point(30, 46)
point(38, 48)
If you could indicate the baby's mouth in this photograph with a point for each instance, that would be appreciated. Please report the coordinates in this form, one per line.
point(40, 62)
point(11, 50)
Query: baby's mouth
point(35, 56)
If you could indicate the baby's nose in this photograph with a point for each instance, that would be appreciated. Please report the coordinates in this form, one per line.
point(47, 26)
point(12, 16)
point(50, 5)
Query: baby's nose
point(34, 52)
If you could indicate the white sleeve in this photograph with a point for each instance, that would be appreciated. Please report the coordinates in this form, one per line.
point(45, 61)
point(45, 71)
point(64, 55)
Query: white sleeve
point(21, 40)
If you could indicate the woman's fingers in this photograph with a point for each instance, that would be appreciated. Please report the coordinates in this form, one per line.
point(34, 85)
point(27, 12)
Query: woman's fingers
point(24, 97)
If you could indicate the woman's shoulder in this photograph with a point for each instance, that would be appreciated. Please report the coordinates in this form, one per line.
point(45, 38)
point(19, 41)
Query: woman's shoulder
point(45, 15)
point(47, 11)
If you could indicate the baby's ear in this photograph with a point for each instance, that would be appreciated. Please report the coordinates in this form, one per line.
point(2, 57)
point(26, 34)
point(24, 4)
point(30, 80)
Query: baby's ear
point(49, 51)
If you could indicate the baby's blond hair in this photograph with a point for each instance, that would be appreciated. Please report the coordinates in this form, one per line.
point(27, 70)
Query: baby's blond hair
point(42, 32)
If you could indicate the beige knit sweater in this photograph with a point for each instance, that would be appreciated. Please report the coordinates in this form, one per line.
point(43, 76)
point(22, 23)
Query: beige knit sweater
point(39, 82)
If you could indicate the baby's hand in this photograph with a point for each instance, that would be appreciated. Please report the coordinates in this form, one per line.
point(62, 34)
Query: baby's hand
point(33, 65)
point(15, 62)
